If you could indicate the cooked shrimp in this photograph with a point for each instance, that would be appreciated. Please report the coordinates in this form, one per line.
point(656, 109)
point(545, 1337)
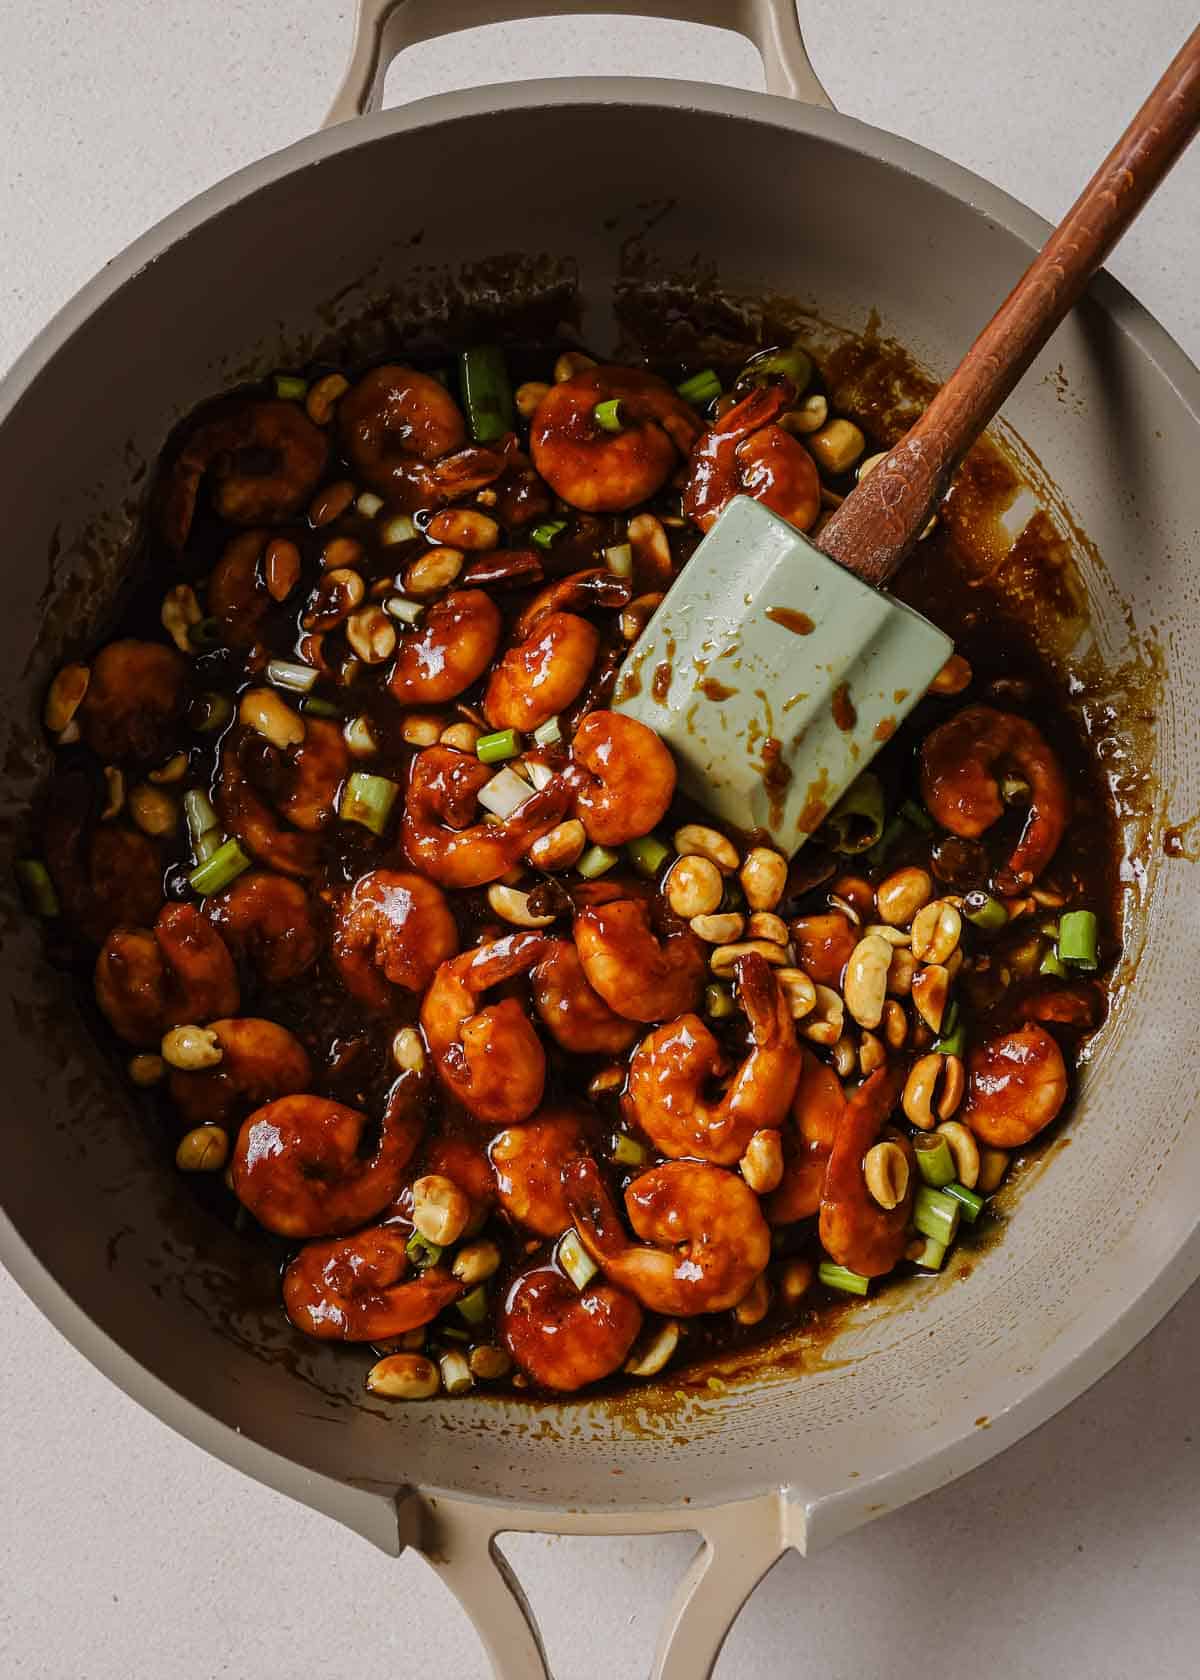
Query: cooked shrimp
point(528, 1162)
point(148, 981)
point(449, 650)
point(246, 815)
point(746, 454)
point(807, 1142)
point(1018, 1085)
point(391, 930)
point(563, 1339)
point(705, 1240)
point(639, 975)
point(623, 775)
point(855, 1231)
point(299, 1165)
point(107, 876)
point(133, 702)
point(442, 789)
point(393, 421)
point(259, 1060)
point(601, 471)
point(463, 1160)
point(672, 1068)
point(959, 765)
point(597, 589)
point(268, 921)
point(312, 774)
point(1078, 1006)
point(363, 1288)
point(237, 591)
point(571, 1009)
point(824, 944)
point(539, 677)
point(491, 1059)
point(263, 460)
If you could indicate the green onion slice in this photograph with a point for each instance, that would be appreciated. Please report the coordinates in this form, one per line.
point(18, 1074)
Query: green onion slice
point(548, 734)
point(494, 749)
point(608, 415)
point(1079, 938)
point(401, 608)
point(934, 1160)
point(575, 1260)
point(628, 1152)
point(316, 707)
point(505, 793)
point(719, 1002)
point(619, 560)
point(917, 815)
point(474, 1305)
point(985, 911)
point(548, 532)
point(970, 1204)
point(215, 874)
point(932, 1255)
point(648, 854)
point(456, 1373)
point(701, 388)
point(936, 1214)
point(840, 1277)
point(422, 1252)
point(596, 861)
point(368, 800)
point(286, 673)
point(789, 362)
point(210, 713)
point(291, 387)
point(199, 814)
point(38, 888)
point(856, 821)
point(487, 392)
point(1051, 967)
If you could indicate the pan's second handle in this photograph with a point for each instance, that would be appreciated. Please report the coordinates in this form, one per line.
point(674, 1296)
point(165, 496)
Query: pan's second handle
point(384, 28)
point(739, 1544)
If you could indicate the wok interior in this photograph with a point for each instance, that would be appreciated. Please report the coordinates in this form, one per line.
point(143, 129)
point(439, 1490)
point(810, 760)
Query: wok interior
point(407, 206)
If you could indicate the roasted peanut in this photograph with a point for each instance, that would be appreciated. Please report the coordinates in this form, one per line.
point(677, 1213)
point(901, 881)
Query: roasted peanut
point(697, 840)
point(936, 931)
point(323, 397)
point(965, 1151)
point(718, 930)
point(404, 1376)
point(433, 571)
point(440, 1210)
point(763, 924)
point(930, 992)
point(281, 568)
point(755, 1304)
point(462, 529)
point(886, 1172)
point(899, 898)
point(763, 876)
point(694, 887)
point(762, 1164)
point(799, 991)
point(866, 980)
point(562, 848)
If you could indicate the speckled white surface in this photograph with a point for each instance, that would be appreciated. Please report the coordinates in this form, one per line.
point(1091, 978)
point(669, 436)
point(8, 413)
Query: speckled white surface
point(125, 1552)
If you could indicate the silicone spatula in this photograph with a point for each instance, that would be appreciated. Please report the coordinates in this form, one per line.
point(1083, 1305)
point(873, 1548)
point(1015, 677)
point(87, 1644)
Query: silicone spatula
point(776, 666)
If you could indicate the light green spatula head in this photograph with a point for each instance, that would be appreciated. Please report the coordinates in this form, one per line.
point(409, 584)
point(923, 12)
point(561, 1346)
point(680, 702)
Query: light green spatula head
point(774, 675)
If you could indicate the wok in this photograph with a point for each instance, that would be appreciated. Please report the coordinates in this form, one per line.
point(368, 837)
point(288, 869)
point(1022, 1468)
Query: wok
point(1102, 1239)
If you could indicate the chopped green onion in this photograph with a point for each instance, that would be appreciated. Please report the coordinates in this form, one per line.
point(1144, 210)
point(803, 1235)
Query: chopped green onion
point(985, 911)
point(856, 821)
point(399, 529)
point(648, 854)
point(619, 560)
point(285, 673)
point(401, 608)
point(505, 793)
point(791, 362)
point(210, 713)
point(1051, 966)
point(608, 415)
point(917, 815)
point(368, 800)
point(316, 707)
point(452, 1333)
point(422, 1252)
point(456, 1373)
point(37, 886)
point(719, 1002)
point(700, 388)
point(840, 1277)
point(952, 1042)
point(290, 387)
point(969, 1203)
point(596, 861)
point(548, 734)
point(199, 815)
point(369, 504)
point(934, 1160)
point(205, 633)
point(204, 845)
point(1015, 790)
point(474, 1305)
point(932, 1254)
point(539, 774)
point(936, 1214)
point(1049, 928)
point(1079, 938)
point(360, 737)
point(494, 749)
point(575, 1260)
point(628, 1152)
point(548, 532)
point(486, 392)
point(216, 872)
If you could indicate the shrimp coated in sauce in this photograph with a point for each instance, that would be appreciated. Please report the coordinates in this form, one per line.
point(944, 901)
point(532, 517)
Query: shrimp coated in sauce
point(540, 676)
point(449, 650)
point(1018, 1084)
point(623, 775)
point(269, 922)
point(393, 421)
point(807, 1143)
point(528, 1162)
point(639, 975)
point(601, 471)
point(746, 454)
point(960, 761)
point(673, 1068)
point(237, 592)
point(262, 460)
point(363, 1288)
point(704, 1239)
point(563, 1339)
point(106, 875)
point(489, 1058)
point(148, 981)
point(438, 835)
point(134, 700)
point(855, 1231)
point(259, 1060)
point(392, 929)
point(570, 1008)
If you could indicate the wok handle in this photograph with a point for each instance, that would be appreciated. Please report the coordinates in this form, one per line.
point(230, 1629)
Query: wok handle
point(739, 1544)
point(384, 28)
point(877, 524)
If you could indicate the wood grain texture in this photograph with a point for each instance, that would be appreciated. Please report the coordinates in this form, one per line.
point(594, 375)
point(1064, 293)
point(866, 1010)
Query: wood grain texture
point(877, 524)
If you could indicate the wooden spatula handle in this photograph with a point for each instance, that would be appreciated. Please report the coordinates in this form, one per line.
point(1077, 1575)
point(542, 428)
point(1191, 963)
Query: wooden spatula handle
point(879, 521)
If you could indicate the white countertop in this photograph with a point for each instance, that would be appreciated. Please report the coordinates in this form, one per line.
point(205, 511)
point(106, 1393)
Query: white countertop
point(126, 1552)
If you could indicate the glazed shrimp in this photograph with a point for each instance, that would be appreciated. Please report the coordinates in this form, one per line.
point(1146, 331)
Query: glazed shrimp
point(312, 776)
point(259, 1060)
point(262, 459)
point(623, 776)
point(594, 590)
point(133, 702)
point(106, 876)
point(746, 454)
point(705, 1240)
point(450, 649)
point(1018, 1085)
point(442, 789)
point(823, 945)
point(463, 1160)
point(268, 921)
point(856, 1232)
point(393, 421)
point(246, 815)
point(539, 677)
point(600, 471)
point(363, 1288)
point(959, 764)
point(299, 1165)
point(639, 975)
point(491, 1059)
point(807, 1143)
point(237, 592)
point(571, 1009)
point(565, 1340)
point(672, 1068)
point(148, 981)
point(528, 1162)
point(391, 930)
